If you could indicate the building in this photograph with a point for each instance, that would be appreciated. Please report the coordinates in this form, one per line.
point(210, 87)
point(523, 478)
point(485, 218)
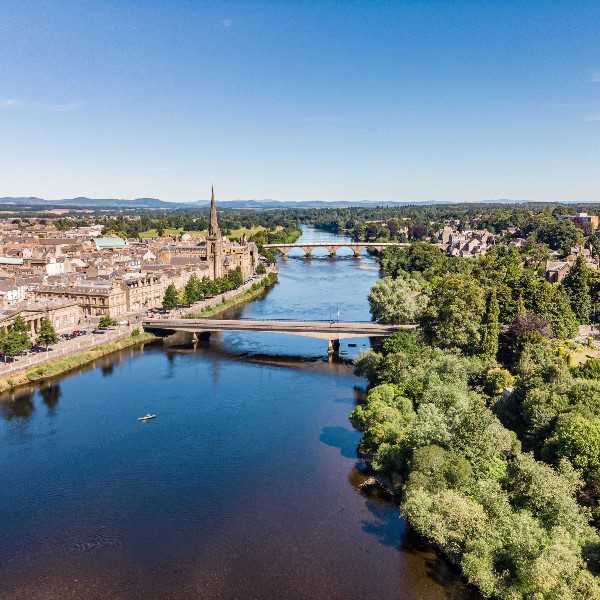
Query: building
point(217, 256)
point(590, 220)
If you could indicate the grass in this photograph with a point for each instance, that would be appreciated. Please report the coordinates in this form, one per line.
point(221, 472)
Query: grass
point(63, 365)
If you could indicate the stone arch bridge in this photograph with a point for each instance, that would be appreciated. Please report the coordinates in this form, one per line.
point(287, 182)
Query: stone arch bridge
point(356, 247)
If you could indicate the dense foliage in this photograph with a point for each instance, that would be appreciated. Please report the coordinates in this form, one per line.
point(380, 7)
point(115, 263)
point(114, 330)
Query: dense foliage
point(485, 427)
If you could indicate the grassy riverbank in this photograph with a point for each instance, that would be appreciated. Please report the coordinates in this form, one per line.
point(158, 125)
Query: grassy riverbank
point(255, 290)
point(63, 365)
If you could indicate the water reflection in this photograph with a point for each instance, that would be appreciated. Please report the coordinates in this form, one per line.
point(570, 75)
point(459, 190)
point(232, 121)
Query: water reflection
point(18, 405)
point(245, 486)
point(51, 393)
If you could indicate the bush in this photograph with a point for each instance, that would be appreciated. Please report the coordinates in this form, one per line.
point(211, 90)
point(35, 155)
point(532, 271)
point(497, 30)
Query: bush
point(107, 321)
point(136, 332)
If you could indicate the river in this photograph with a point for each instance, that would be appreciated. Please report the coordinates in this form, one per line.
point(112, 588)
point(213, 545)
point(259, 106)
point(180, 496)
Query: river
point(245, 485)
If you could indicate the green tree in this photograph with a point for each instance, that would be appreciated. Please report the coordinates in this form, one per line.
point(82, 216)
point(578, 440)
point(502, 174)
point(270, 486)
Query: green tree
point(107, 321)
point(453, 316)
point(193, 290)
point(490, 326)
point(171, 297)
point(396, 300)
point(401, 341)
point(16, 340)
point(47, 335)
point(578, 290)
point(578, 439)
point(260, 269)
point(235, 278)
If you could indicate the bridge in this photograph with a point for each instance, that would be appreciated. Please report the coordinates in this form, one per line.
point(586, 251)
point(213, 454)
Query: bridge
point(332, 331)
point(356, 247)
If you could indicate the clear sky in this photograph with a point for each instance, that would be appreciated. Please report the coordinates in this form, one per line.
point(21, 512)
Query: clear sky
point(347, 100)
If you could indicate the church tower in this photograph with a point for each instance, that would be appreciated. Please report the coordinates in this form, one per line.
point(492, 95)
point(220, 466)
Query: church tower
point(214, 245)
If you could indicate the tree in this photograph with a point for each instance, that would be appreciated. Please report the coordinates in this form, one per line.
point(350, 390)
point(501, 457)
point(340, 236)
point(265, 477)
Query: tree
point(490, 327)
point(260, 269)
point(107, 321)
point(183, 297)
point(562, 235)
point(396, 300)
point(578, 290)
point(47, 335)
point(235, 278)
point(16, 340)
point(453, 316)
point(193, 290)
point(401, 341)
point(171, 297)
point(578, 439)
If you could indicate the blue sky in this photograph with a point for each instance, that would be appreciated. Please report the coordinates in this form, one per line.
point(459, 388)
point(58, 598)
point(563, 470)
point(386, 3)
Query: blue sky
point(413, 100)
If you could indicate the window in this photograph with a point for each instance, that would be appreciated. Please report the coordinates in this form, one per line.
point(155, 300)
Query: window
point(72, 318)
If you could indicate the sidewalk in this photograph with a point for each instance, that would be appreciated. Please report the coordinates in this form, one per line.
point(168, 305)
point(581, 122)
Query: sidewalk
point(79, 344)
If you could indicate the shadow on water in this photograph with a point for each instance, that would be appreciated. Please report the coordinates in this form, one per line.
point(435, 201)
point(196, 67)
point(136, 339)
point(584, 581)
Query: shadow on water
point(342, 438)
point(437, 569)
point(51, 394)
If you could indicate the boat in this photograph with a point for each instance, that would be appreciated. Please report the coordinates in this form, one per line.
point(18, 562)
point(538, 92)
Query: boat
point(343, 353)
point(147, 417)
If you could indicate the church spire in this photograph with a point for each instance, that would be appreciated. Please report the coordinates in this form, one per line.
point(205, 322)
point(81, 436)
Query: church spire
point(213, 225)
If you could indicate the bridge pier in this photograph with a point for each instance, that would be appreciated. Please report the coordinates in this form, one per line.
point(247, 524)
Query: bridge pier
point(334, 346)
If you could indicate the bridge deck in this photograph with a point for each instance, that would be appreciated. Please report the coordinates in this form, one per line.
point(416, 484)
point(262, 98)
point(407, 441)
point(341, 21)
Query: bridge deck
point(318, 329)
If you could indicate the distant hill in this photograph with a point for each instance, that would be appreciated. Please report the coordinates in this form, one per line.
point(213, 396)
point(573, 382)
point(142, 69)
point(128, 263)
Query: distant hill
point(150, 203)
point(89, 202)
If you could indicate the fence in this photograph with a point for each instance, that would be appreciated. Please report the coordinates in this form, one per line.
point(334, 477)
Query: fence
point(67, 348)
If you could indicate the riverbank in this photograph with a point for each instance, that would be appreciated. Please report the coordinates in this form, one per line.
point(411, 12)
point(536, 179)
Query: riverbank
point(64, 364)
point(253, 292)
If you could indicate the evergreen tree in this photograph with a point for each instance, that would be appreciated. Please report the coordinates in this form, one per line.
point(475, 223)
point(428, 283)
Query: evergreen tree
point(521, 310)
point(490, 326)
point(171, 297)
point(578, 290)
point(47, 335)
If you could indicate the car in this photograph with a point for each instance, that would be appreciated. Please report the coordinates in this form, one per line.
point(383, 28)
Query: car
point(83, 332)
point(122, 322)
point(100, 330)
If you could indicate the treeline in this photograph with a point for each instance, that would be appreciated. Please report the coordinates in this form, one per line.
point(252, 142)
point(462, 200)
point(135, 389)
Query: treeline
point(486, 419)
point(198, 289)
point(198, 221)
point(535, 221)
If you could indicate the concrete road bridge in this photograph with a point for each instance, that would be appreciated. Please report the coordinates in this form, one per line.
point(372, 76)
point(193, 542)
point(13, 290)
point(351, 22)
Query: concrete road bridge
point(356, 247)
point(332, 331)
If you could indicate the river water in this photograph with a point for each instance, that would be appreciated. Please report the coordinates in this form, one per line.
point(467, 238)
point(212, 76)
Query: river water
point(245, 486)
